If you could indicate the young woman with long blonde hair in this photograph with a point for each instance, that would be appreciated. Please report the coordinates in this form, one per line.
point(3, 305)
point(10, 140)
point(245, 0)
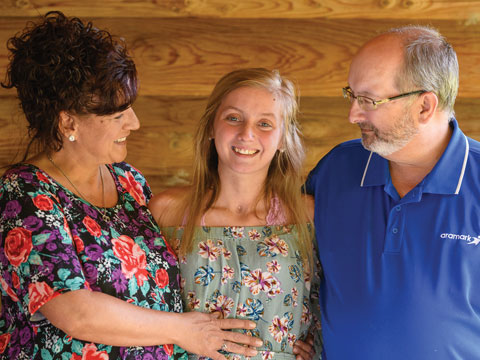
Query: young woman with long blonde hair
point(242, 227)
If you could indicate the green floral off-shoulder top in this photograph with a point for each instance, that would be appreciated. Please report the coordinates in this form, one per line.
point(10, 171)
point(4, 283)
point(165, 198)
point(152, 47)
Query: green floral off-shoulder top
point(256, 273)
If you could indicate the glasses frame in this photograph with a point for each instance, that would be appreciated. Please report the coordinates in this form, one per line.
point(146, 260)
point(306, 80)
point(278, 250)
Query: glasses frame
point(348, 94)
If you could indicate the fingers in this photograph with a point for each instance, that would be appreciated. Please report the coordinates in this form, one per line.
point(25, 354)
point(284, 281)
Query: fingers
point(303, 350)
point(217, 315)
point(234, 337)
point(239, 349)
point(236, 324)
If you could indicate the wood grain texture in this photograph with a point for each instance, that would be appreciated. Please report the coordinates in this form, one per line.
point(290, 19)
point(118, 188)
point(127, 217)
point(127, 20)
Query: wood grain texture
point(465, 11)
point(178, 57)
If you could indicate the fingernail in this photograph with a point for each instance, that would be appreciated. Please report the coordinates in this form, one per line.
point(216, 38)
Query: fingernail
point(253, 325)
point(258, 343)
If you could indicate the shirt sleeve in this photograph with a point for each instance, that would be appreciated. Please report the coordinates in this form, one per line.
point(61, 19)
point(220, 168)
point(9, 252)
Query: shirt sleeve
point(133, 181)
point(310, 183)
point(38, 257)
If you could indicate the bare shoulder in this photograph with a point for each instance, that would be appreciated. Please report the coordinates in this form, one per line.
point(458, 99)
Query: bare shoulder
point(164, 206)
point(310, 205)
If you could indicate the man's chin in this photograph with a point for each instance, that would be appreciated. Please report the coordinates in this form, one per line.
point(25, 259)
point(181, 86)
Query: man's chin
point(380, 148)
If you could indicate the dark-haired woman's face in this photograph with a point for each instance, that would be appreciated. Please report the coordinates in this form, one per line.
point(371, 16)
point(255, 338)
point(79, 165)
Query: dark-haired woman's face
point(104, 138)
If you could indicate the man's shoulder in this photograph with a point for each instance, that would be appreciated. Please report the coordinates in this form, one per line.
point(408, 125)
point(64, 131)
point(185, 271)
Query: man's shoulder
point(344, 155)
point(343, 164)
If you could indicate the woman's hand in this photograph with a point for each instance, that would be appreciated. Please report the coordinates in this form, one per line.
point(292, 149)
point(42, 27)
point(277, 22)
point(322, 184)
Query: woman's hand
point(304, 349)
point(205, 335)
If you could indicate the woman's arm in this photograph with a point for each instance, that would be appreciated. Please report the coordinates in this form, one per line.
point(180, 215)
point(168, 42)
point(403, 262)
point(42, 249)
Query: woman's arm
point(165, 206)
point(101, 318)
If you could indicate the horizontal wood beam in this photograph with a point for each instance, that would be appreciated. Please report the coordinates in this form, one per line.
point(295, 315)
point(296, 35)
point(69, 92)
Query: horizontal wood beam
point(467, 12)
point(186, 57)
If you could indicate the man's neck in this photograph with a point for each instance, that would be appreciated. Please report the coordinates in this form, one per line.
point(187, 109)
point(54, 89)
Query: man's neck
point(410, 165)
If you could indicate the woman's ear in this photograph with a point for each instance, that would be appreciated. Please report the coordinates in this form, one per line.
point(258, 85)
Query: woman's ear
point(67, 125)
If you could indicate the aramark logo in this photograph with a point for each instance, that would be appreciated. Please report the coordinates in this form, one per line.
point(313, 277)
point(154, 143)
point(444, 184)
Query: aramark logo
point(471, 240)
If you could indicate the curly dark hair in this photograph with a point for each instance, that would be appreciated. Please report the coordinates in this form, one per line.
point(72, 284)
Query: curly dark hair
point(63, 64)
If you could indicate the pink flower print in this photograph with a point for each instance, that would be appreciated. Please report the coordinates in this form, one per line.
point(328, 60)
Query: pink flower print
point(132, 258)
point(227, 273)
point(267, 355)
point(209, 250)
point(306, 314)
point(291, 338)
point(262, 281)
point(279, 328)
point(90, 351)
point(133, 187)
point(227, 254)
point(237, 231)
point(193, 302)
point(287, 229)
point(241, 310)
point(254, 235)
point(222, 304)
point(191, 295)
point(8, 289)
point(307, 278)
point(274, 288)
point(295, 296)
point(277, 245)
point(273, 266)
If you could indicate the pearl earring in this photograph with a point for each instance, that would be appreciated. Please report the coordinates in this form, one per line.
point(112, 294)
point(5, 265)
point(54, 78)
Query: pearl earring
point(71, 138)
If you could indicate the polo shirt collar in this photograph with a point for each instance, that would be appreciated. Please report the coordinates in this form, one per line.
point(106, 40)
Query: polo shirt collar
point(445, 178)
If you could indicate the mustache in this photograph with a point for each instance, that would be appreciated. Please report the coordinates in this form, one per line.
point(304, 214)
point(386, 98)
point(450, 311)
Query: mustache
point(367, 127)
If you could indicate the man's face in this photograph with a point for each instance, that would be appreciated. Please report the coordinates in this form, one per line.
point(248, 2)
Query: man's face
point(391, 126)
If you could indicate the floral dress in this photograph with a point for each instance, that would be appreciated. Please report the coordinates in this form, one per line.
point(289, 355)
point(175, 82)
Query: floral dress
point(53, 242)
point(254, 273)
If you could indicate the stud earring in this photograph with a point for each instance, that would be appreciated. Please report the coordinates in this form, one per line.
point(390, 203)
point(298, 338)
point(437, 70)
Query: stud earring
point(210, 138)
point(71, 138)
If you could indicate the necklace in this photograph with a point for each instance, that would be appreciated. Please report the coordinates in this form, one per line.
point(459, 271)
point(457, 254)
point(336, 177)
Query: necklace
point(105, 217)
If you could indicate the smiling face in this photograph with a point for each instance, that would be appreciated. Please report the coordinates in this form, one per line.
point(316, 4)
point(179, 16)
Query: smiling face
point(104, 138)
point(391, 126)
point(247, 130)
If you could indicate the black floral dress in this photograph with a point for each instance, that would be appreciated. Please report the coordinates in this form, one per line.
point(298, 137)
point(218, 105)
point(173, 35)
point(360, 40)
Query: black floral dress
point(53, 242)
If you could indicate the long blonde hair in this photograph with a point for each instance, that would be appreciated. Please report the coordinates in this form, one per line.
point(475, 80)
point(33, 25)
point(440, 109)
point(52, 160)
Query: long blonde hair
point(284, 178)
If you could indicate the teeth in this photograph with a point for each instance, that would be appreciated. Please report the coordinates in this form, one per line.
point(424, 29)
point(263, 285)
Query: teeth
point(121, 139)
point(244, 151)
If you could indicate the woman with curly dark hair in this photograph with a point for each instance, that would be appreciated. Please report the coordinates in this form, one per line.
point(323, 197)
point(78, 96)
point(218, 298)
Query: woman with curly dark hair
point(84, 271)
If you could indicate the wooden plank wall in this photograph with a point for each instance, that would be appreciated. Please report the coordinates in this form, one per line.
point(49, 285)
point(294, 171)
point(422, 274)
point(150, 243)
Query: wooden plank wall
point(182, 47)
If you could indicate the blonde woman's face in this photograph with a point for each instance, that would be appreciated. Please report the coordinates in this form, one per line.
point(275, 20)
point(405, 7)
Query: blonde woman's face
point(247, 130)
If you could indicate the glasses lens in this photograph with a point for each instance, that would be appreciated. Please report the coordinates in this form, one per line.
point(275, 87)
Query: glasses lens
point(366, 103)
point(347, 94)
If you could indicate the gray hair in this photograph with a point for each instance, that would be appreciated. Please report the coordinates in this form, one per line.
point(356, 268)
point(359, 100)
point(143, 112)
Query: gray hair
point(430, 64)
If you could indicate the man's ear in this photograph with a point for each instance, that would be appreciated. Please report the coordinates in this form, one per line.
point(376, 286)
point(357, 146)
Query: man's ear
point(67, 124)
point(427, 107)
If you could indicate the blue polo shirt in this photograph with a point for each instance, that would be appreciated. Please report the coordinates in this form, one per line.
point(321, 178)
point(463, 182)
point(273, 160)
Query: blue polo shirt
point(402, 276)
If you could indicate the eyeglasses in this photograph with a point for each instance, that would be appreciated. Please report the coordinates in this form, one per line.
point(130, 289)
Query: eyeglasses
point(369, 104)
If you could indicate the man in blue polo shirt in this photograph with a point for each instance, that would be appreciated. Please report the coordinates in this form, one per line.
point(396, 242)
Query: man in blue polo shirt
point(397, 213)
